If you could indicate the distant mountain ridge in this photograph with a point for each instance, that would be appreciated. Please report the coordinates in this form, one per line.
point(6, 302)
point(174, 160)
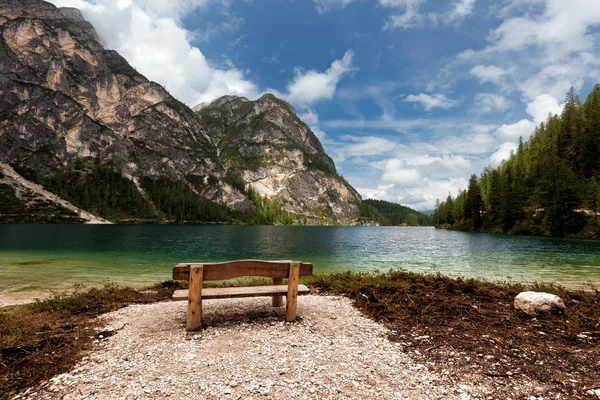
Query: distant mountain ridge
point(79, 120)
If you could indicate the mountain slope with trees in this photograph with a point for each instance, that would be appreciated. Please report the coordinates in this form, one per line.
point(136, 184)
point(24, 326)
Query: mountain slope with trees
point(548, 187)
point(385, 213)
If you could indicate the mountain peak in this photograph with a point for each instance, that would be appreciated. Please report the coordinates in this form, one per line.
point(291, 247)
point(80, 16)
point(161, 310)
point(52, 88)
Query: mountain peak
point(72, 13)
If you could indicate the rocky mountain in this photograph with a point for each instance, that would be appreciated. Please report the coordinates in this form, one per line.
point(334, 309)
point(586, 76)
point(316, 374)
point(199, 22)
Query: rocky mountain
point(78, 120)
point(278, 156)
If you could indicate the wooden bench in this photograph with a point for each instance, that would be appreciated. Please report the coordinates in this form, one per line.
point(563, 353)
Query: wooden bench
point(197, 273)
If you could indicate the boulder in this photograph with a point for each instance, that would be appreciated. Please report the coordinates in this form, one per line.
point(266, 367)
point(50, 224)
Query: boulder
point(536, 303)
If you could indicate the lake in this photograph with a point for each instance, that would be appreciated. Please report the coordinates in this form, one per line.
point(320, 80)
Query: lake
point(35, 259)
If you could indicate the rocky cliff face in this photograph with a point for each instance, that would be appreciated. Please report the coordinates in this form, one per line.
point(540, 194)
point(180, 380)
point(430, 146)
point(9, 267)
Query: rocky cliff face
point(66, 99)
point(278, 156)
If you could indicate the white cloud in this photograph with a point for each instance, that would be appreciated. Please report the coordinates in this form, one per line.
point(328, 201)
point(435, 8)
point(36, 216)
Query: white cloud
point(476, 138)
point(563, 26)
point(414, 174)
point(148, 33)
point(538, 109)
point(487, 102)
point(429, 102)
point(421, 198)
point(309, 87)
point(556, 78)
point(400, 3)
point(523, 129)
point(547, 46)
point(311, 118)
point(362, 146)
point(324, 6)
point(472, 143)
point(460, 9)
point(488, 73)
point(503, 154)
point(270, 60)
point(413, 17)
point(397, 172)
point(541, 106)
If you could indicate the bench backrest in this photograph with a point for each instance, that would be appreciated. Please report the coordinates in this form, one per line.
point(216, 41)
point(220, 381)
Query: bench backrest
point(236, 269)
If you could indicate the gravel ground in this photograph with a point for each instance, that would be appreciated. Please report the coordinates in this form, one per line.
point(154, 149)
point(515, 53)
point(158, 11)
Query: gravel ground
point(246, 351)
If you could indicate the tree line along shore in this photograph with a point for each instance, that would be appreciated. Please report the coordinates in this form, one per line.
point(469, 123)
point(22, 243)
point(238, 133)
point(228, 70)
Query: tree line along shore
point(548, 187)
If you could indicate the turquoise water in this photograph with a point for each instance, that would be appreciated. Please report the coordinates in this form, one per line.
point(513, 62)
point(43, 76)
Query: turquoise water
point(37, 258)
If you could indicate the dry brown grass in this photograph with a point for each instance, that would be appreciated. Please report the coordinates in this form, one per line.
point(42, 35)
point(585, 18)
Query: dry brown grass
point(473, 324)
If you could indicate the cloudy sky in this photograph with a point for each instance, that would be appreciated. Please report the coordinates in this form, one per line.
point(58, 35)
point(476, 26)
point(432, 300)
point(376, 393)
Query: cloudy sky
point(409, 97)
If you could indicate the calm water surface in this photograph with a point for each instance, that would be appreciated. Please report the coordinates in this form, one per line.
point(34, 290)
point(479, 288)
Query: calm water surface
point(37, 258)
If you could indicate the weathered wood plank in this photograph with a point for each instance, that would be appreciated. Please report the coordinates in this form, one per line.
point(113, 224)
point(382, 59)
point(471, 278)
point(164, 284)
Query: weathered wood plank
point(292, 296)
point(194, 315)
point(245, 291)
point(236, 269)
point(277, 300)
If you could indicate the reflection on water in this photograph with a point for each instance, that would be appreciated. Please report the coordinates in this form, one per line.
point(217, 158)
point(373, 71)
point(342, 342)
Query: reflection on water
point(42, 257)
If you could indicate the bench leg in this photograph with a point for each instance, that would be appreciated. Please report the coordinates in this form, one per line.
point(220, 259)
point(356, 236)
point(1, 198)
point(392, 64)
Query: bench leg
point(194, 315)
point(277, 300)
point(292, 295)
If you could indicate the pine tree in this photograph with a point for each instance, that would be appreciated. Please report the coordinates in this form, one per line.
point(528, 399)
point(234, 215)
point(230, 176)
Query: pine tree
point(495, 198)
point(593, 197)
point(437, 213)
point(449, 210)
point(474, 203)
point(459, 207)
point(590, 141)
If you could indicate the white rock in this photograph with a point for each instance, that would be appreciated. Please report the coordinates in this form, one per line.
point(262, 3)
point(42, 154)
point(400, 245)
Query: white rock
point(535, 303)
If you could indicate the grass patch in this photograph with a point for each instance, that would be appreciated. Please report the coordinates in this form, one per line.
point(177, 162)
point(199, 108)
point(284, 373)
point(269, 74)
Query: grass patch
point(46, 338)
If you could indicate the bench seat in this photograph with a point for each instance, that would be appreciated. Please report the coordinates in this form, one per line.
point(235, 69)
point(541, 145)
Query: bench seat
point(245, 291)
point(197, 273)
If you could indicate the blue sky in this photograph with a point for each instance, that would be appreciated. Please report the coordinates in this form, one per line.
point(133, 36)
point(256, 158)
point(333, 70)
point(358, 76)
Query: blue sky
point(409, 97)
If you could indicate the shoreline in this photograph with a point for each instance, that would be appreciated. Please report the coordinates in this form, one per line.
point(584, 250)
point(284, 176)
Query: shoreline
point(578, 236)
point(21, 297)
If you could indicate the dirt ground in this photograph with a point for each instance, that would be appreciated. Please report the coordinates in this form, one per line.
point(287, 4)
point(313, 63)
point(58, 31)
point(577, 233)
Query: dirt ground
point(462, 327)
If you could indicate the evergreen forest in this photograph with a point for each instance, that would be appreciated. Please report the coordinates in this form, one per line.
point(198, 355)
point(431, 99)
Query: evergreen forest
point(104, 191)
point(549, 186)
point(391, 214)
